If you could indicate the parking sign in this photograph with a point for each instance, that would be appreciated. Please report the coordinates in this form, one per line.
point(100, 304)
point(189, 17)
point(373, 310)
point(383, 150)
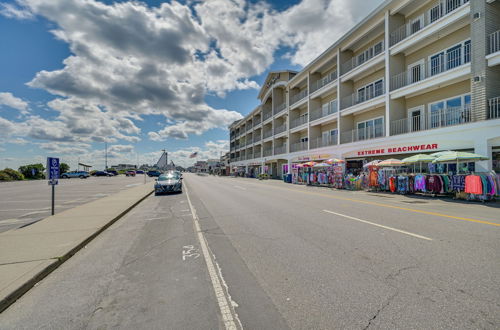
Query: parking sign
point(53, 170)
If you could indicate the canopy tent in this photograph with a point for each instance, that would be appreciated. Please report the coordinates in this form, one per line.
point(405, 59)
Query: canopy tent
point(458, 157)
point(420, 158)
point(391, 163)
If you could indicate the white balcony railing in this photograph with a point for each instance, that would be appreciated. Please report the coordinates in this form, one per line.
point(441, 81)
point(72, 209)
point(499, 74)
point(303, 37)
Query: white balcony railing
point(280, 129)
point(325, 110)
point(367, 133)
point(362, 58)
point(323, 81)
point(268, 134)
point(279, 108)
point(249, 127)
point(360, 97)
point(494, 42)
point(256, 121)
point(298, 146)
point(494, 108)
point(442, 8)
point(280, 150)
point(324, 141)
point(257, 138)
point(297, 97)
point(298, 121)
point(267, 115)
point(444, 62)
point(268, 152)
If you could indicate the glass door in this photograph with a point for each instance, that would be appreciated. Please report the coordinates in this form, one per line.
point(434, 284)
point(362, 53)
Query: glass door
point(415, 119)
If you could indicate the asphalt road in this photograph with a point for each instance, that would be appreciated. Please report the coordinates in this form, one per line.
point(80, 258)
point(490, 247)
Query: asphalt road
point(286, 256)
point(25, 202)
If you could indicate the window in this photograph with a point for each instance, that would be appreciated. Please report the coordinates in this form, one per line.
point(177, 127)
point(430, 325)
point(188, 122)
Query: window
point(370, 91)
point(435, 13)
point(379, 48)
point(452, 111)
point(379, 88)
point(467, 51)
point(370, 129)
point(416, 25)
point(450, 58)
point(454, 56)
point(437, 64)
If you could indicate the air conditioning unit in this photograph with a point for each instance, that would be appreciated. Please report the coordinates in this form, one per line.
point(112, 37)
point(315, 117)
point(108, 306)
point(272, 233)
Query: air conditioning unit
point(476, 15)
point(478, 79)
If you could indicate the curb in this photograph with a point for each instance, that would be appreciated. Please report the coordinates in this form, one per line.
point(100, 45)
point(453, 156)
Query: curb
point(11, 298)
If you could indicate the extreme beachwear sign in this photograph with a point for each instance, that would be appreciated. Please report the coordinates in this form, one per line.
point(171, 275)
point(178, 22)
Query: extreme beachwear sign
point(393, 150)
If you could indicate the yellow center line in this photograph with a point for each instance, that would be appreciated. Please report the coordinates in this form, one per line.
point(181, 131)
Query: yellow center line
point(388, 206)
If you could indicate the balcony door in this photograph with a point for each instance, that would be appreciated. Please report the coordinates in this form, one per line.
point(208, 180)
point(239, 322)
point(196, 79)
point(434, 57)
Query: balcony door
point(416, 119)
point(416, 72)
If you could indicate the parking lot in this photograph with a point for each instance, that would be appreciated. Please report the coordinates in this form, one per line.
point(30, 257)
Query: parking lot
point(25, 202)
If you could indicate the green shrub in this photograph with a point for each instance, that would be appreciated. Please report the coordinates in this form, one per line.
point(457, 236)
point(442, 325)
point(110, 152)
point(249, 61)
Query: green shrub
point(33, 171)
point(4, 176)
point(15, 175)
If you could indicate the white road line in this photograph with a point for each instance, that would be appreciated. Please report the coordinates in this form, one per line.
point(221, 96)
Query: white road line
point(228, 316)
point(381, 226)
point(240, 187)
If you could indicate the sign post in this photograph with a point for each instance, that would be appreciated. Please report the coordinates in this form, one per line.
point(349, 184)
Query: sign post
point(53, 176)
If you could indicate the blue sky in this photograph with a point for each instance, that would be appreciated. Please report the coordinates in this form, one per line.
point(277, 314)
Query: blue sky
point(61, 112)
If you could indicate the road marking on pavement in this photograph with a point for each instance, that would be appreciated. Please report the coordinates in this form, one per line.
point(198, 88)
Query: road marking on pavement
point(381, 226)
point(388, 206)
point(229, 317)
point(240, 187)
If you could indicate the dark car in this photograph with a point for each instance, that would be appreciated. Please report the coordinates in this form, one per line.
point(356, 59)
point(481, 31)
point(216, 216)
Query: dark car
point(167, 183)
point(130, 173)
point(139, 172)
point(154, 173)
point(101, 173)
point(115, 173)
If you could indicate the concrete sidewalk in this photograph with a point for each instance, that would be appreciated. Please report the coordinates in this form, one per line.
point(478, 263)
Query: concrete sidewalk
point(28, 254)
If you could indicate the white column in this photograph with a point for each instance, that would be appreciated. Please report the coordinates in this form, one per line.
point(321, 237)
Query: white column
point(289, 166)
point(262, 168)
point(482, 147)
point(387, 78)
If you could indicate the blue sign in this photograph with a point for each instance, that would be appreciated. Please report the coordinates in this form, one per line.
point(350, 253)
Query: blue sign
point(52, 170)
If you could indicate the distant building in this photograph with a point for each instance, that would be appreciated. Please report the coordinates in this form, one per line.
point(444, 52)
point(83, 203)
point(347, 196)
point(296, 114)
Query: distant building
point(122, 167)
point(201, 166)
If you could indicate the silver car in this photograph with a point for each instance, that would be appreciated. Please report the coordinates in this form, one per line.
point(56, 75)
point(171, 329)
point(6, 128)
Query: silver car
point(167, 183)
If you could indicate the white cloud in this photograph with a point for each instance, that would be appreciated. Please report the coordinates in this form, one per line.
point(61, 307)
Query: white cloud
point(11, 11)
point(211, 150)
point(14, 102)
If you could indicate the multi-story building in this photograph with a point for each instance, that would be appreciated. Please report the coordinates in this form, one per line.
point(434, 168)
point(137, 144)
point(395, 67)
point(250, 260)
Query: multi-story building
point(413, 76)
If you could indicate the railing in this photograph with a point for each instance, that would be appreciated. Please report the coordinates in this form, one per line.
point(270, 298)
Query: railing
point(321, 142)
point(323, 81)
point(298, 146)
point(249, 127)
point(257, 122)
point(441, 118)
point(279, 108)
point(325, 110)
point(257, 154)
point(280, 129)
point(268, 134)
point(442, 9)
point(494, 108)
point(494, 42)
point(267, 115)
point(249, 142)
point(297, 97)
point(280, 150)
point(249, 156)
point(368, 94)
point(366, 133)
point(256, 138)
point(298, 121)
point(237, 146)
point(444, 62)
point(268, 152)
point(362, 58)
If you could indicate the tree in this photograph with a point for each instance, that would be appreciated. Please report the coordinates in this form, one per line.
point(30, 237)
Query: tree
point(63, 168)
point(13, 174)
point(33, 171)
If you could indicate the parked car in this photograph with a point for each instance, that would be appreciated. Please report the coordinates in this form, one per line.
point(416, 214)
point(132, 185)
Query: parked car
point(167, 183)
point(130, 173)
point(115, 173)
point(139, 172)
point(75, 174)
point(101, 173)
point(154, 173)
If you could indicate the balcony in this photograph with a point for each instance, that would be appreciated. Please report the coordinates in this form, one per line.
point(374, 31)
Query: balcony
point(324, 111)
point(267, 115)
point(438, 119)
point(367, 133)
point(280, 150)
point(249, 127)
point(279, 108)
point(249, 142)
point(493, 56)
point(439, 13)
point(257, 121)
point(421, 74)
point(298, 97)
point(494, 108)
point(256, 138)
point(249, 156)
point(280, 129)
point(298, 121)
point(268, 152)
point(321, 142)
point(298, 146)
point(257, 154)
point(268, 134)
point(363, 98)
point(363, 58)
point(317, 85)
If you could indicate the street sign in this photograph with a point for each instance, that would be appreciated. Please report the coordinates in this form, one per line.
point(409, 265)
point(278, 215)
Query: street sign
point(53, 170)
point(53, 176)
